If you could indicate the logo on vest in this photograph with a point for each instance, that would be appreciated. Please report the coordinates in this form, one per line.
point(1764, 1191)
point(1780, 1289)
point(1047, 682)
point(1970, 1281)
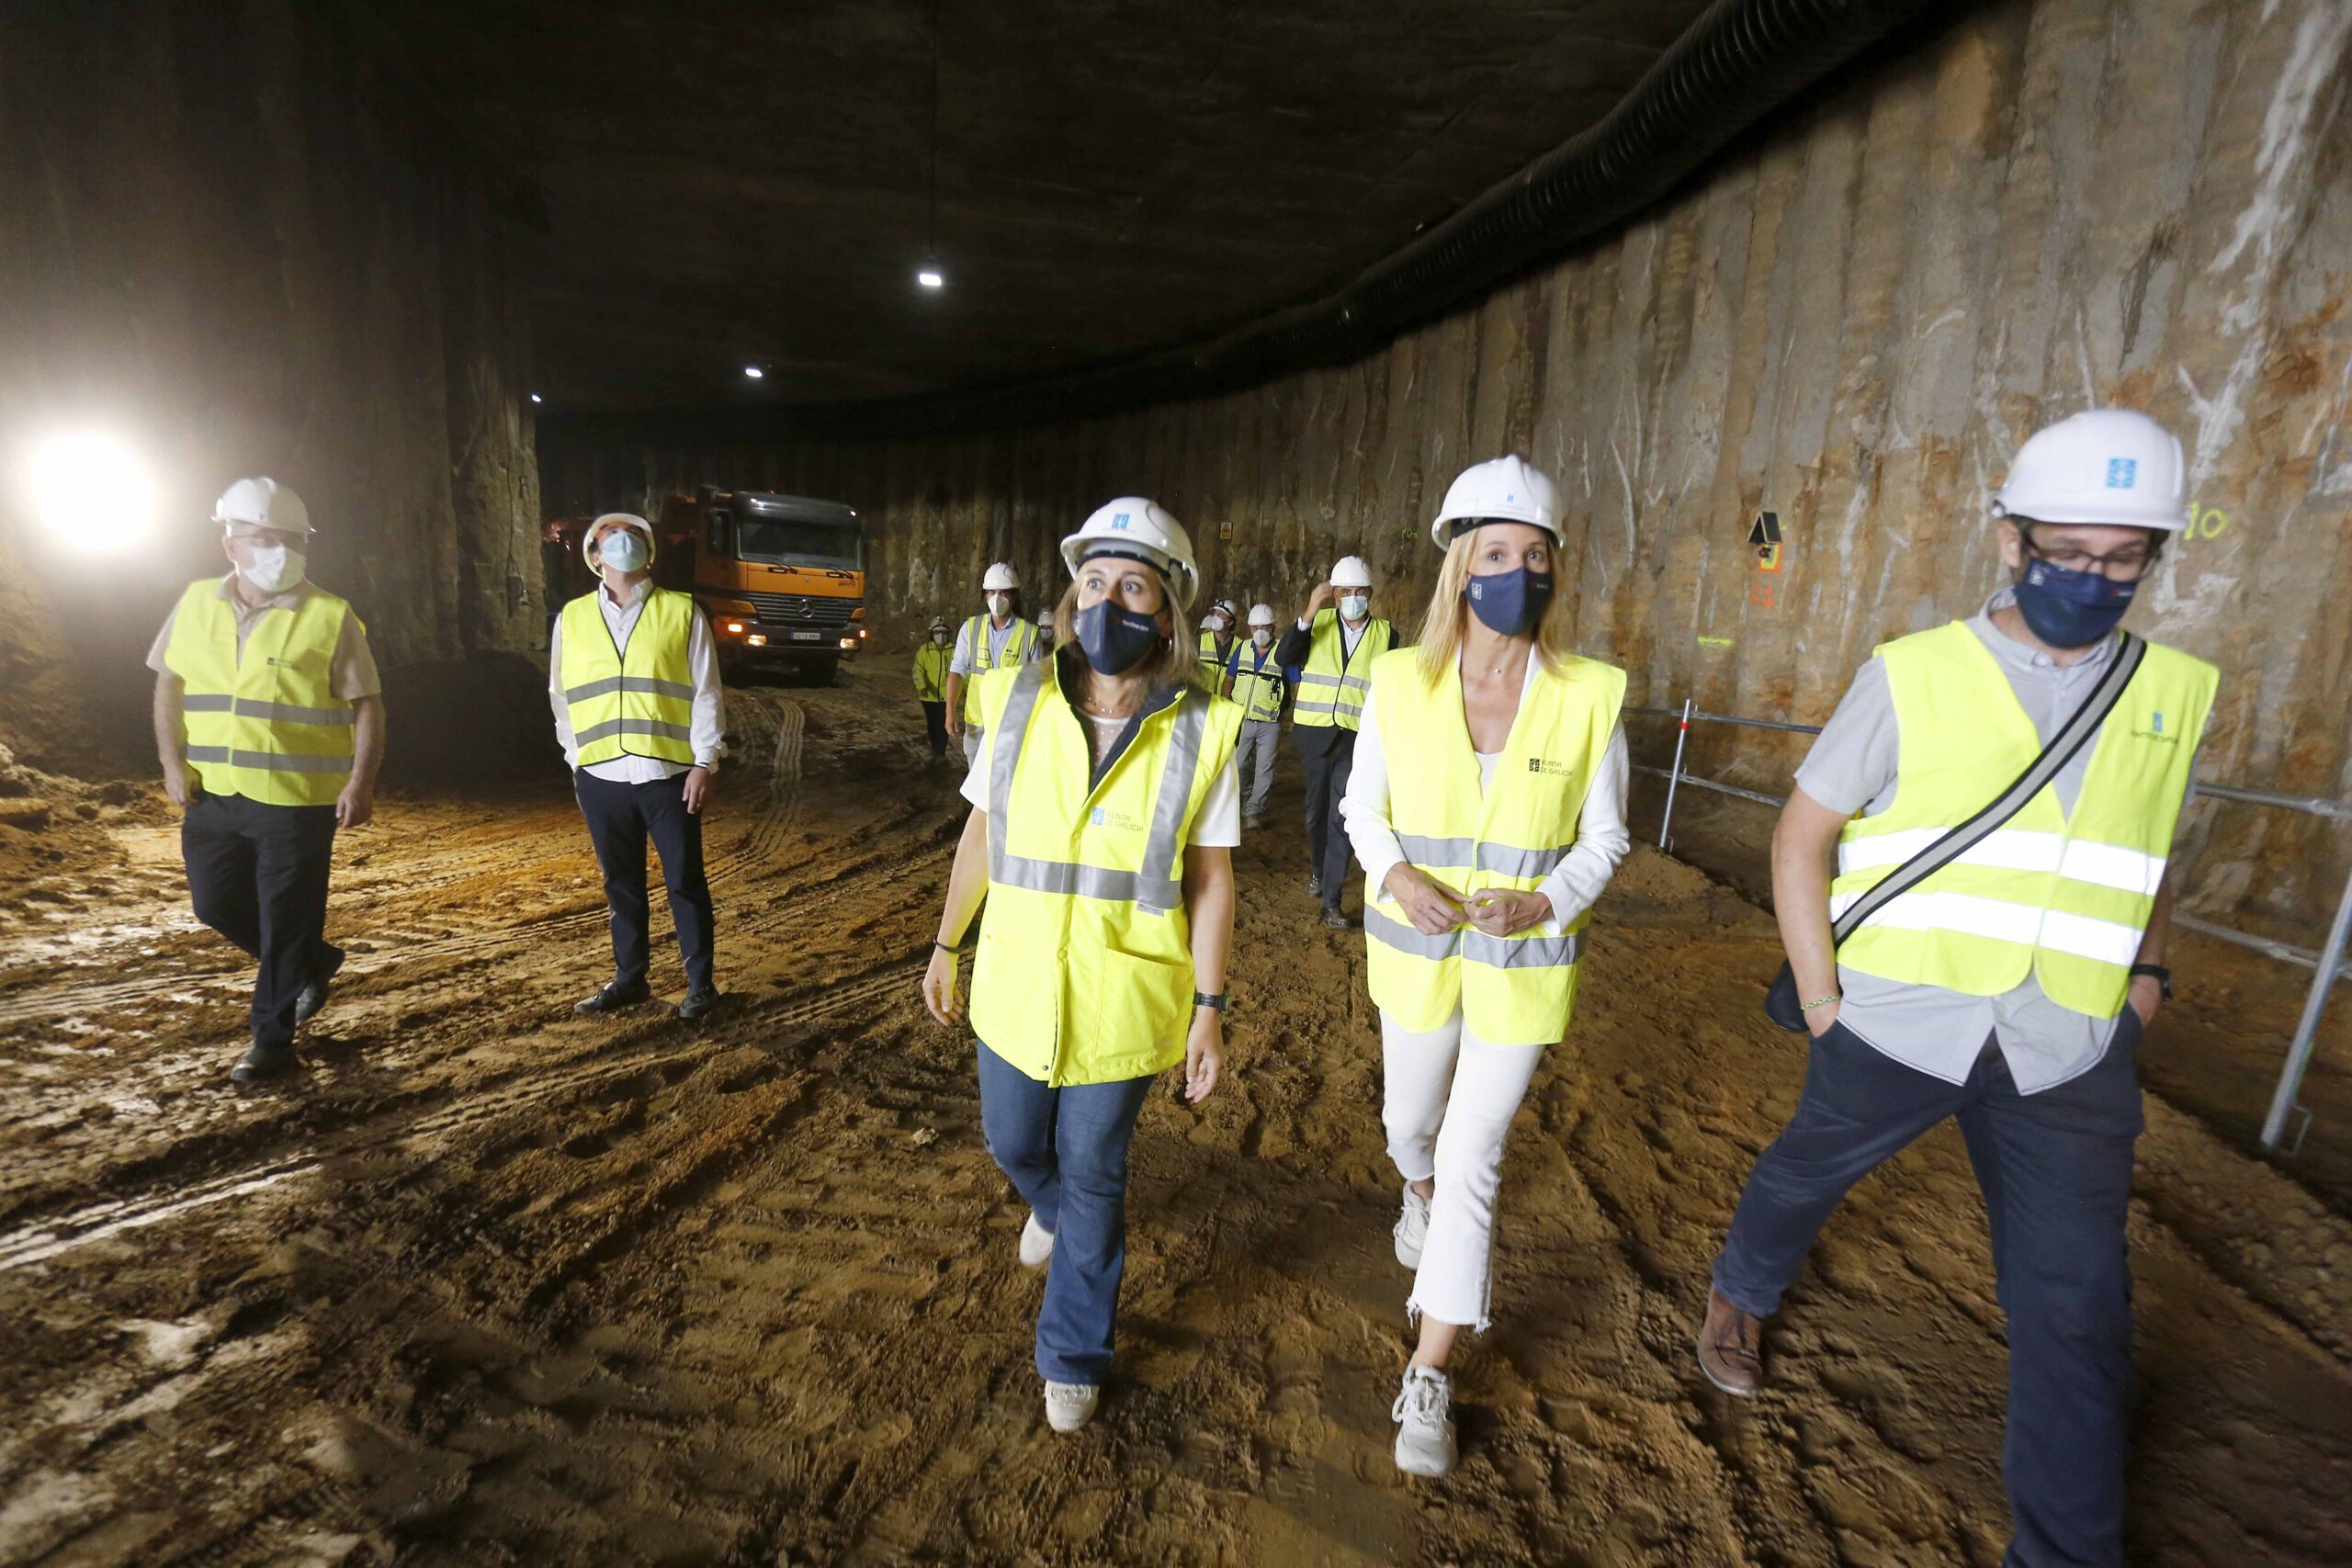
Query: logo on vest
point(1550, 769)
point(2155, 730)
point(1103, 817)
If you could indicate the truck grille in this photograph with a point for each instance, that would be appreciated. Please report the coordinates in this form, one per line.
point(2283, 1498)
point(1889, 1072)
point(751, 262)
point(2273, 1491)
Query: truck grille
point(801, 610)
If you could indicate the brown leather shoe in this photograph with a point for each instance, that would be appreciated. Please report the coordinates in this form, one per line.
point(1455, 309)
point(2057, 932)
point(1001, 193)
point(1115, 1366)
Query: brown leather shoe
point(1731, 1346)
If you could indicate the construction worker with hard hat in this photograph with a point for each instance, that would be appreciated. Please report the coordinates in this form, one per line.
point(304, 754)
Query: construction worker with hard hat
point(931, 656)
point(1105, 809)
point(1487, 803)
point(633, 677)
point(2006, 979)
point(1216, 644)
point(1333, 646)
point(269, 723)
point(998, 639)
point(1253, 677)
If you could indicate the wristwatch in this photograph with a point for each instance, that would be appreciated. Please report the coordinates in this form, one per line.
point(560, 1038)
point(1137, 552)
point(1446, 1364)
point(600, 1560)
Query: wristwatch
point(1203, 999)
point(2159, 974)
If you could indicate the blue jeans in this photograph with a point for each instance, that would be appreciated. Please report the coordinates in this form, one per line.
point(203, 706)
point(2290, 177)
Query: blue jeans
point(1066, 1149)
point(2055, 1169)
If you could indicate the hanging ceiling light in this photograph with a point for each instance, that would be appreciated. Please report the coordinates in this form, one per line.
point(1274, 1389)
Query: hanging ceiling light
point(753, 371)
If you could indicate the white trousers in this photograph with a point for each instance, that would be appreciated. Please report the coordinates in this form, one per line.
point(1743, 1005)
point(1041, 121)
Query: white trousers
point(1260, 738)
point(1450, 1100)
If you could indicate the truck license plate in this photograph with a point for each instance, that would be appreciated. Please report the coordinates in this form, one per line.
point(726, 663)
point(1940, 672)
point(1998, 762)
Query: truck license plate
point(806, 636)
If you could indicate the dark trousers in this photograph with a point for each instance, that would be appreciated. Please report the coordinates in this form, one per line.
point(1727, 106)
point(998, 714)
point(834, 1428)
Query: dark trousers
point(1066, 1150)
point(258, 874)
point(1329, 755)
point(934, 724)
point(2055, 1168)
point(621, 816)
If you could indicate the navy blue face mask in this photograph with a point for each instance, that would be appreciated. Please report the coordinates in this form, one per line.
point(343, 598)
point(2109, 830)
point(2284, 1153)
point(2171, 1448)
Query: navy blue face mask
point(1511, 602)
point(2070, 609)
point(1115, 638)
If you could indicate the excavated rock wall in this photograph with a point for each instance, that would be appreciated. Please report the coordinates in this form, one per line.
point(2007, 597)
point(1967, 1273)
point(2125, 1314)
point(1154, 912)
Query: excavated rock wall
point(239, 236)
point(1851, 323)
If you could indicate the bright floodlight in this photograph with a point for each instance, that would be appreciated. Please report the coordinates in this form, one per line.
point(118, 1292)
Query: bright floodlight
point(535, 397)
point(753, 371)
point(930, 278)
point(91, 490)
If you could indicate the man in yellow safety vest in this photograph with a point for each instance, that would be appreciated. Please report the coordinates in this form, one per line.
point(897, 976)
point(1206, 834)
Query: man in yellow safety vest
point(1332, 648)
point(270, 722)
point(1253, 677)
point(999, 639)
point(633, 677)
point(931, 683)
point(2009, 989)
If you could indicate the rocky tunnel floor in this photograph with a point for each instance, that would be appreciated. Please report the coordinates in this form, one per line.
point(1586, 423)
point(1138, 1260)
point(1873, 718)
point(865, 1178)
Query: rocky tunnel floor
point(486, 1283)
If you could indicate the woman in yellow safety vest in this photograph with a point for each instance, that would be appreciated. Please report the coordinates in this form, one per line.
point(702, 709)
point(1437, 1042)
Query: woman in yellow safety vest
point(1105, 810)
point(1487, 805)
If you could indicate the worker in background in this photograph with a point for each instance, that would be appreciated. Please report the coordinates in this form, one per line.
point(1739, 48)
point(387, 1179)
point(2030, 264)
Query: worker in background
point(1216, 646)
point(633, 677)
point(1487, 804)
point(932, 655)
point(1333, 650)
point(999, 639)
point(1105, 809)
point(1253, 677)
point(2012, 988)
point(1046, 633)
point(270, 722)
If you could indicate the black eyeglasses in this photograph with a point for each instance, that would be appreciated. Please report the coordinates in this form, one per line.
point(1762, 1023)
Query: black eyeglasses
point(2126, 565)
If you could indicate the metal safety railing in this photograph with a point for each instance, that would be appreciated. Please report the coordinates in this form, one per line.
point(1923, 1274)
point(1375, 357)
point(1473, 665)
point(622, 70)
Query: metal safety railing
point(2328, 962)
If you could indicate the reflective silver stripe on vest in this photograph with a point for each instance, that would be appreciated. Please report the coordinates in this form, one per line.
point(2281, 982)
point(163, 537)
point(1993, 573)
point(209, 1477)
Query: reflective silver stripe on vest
point(206, 702)
point(1503, 859)
point(291, 712)
point(1154, 887)
point(269, 761)
point(1473, 946)
point(653, 726)
point(611, 684)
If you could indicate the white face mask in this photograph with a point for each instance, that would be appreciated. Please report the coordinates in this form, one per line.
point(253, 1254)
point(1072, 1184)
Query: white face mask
point(1262, 636)
point(1000, 603)
point(622, 549)
point(1353, 605)
point(939, 638)
point(272, 568)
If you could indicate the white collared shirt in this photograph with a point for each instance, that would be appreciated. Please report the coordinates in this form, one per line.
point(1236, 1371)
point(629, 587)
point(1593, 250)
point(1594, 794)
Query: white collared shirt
point(708, 732)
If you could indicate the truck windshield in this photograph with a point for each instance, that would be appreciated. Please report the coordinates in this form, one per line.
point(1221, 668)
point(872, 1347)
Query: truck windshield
point(836, 545)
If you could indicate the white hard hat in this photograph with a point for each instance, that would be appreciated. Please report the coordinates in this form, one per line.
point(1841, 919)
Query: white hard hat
point(1132, 525)
point(1226, 607)
point(939, 623)
point(1501, 490)
point(1349, 572)
point(1000, 579)
point(2105, 466)
point(1261, 615)
point(621, 520)
point(265, 503)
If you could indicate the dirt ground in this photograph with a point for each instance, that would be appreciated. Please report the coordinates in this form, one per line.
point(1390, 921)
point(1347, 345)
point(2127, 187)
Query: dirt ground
point(489, 1284)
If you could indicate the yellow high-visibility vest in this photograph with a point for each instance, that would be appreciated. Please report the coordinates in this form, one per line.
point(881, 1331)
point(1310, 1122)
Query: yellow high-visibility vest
point(2064, 898)
point(265, 724)
point(931, 672)
point(1257, 685)
point(1084, 973)
point(1016, 653)
point(632, 702)
point(1512, 991)
point(1332, 688)
point(1213, 664)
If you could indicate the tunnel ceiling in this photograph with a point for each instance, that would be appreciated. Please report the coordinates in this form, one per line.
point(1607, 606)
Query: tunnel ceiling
point(750, 184)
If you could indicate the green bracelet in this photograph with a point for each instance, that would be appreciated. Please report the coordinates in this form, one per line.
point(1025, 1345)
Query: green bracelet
point(1824, 1002)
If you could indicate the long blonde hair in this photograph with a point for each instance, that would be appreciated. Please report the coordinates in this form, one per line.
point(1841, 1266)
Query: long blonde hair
point(1442, 626)
point(1174, 663)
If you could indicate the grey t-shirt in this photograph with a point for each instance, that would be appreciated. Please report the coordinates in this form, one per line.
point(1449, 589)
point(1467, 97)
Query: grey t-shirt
point(1852, 769)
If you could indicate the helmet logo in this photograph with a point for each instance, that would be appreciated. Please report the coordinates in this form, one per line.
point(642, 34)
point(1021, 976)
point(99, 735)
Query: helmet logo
point(1119, 520)
point(2123, 473)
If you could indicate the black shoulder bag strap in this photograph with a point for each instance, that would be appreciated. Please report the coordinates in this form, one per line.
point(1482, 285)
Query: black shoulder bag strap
point(1781, 1004)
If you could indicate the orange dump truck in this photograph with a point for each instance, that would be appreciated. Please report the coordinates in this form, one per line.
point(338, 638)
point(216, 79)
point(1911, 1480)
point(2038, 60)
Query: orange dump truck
point(781, 577)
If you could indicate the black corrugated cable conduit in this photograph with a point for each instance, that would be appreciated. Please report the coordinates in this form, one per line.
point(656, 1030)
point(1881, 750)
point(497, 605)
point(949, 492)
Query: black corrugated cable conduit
point(1736, 63)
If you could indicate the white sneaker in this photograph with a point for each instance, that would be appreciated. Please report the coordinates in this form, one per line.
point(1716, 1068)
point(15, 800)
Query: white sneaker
point(1037, 1243)
point(1069, 1405)
point(1425, 1433)
point(1412, 1231)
